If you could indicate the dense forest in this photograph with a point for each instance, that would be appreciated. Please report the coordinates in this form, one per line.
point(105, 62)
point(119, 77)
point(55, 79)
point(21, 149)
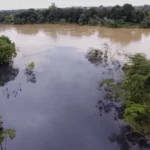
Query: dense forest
point(117, 16)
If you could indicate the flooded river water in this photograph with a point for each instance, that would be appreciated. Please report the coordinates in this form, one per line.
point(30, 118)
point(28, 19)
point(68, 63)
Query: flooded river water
point(54, 108)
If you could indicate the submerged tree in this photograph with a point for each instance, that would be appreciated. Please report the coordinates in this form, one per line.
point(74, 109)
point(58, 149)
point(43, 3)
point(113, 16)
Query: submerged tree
point(4, 134)
point(29, 72)
point(132, 88)
point(7, 73)
point(128, 138)
point(7, 50)
point(134, 91)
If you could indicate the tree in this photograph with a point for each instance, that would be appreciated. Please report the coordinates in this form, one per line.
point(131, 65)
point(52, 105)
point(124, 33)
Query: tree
point(75, 14)
point(93, 21)
point(115, 12)
point(8, 19)
point(127, 12)
point(62, 21)
point(134, 91)
point(133, 88)
point(124, 15)
point(83, 19)
point(53, 15)
point(53, 6)
point(138, 16)
point(31, 16)
point(7, 50)
point(146, 22)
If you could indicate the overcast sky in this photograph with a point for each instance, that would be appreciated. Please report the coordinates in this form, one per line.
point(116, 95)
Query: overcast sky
point(19, 4)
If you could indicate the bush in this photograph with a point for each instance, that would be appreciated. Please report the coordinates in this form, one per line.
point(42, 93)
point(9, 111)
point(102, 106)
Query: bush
point(101, 22)
point(134, 90)
point(8, 19)
point(145, 23)
point(30, 66)
point(7, 50)
point(111, 23)
point(138, 116)
point(62, 21)
point(83, 19)
point(92, 21)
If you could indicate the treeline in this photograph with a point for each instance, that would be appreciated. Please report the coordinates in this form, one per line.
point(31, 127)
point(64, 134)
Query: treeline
point(117, 16)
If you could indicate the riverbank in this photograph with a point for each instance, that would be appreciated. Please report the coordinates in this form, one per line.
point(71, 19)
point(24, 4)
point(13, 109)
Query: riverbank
point(116, 17)
point(114, 25)
point(118, 24)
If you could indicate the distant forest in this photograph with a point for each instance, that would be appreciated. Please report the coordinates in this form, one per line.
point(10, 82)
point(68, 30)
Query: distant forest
point(117, 16)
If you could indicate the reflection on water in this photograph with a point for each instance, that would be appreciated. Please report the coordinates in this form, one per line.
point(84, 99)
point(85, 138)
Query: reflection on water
point(108, 106)
point(120, 36)
point(8, 93)
point(106, 58)
point(54, 30)
point(123, 36)
point(31, 77)
point(127, 139)
point(7, 73)
point(121, 140)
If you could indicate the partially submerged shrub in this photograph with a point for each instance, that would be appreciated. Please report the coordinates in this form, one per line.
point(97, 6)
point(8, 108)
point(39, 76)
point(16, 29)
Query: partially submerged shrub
point(95, 56)
point(134, 91)
point(111, 23)
point(7, 50)
point(146, 22)
point(29, 72)
point(62, 21)
point(93, 22)
point(4, 133)
point(30, 66)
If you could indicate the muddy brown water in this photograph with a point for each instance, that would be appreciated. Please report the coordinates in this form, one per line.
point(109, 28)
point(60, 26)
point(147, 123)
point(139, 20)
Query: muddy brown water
point(54, 107)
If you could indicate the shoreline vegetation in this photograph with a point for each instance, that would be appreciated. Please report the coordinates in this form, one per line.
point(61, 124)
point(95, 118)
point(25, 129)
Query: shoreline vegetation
point(5, 134)
point(126, 16)
point(133, 88)
point(7, 50)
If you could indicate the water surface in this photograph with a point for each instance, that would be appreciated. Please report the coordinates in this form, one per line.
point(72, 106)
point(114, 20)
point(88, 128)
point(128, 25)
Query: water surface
point(54, 107)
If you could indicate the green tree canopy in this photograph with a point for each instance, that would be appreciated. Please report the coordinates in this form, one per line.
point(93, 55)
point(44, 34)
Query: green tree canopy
point(132, 87)
point(7, 50)
point(118, 16)
point(134, 91)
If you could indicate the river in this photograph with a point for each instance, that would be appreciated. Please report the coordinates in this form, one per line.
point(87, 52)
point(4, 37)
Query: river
point(54, 108)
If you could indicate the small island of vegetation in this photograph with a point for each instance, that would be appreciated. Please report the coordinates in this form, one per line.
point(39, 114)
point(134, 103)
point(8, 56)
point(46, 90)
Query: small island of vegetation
point(117, 16)
point(7, 50)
